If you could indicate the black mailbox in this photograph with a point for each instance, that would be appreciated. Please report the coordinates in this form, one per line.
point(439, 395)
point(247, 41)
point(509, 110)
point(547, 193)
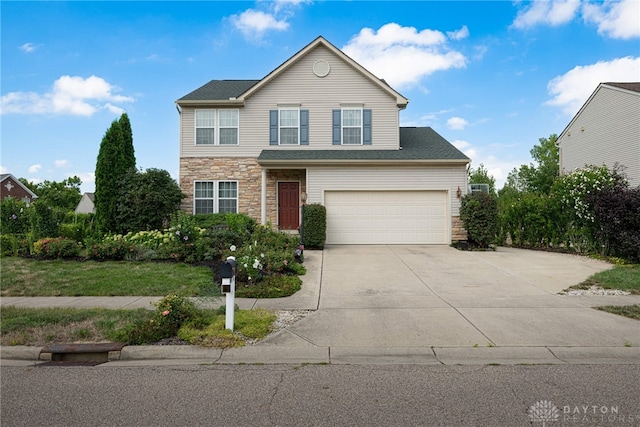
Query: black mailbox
point(227, 272)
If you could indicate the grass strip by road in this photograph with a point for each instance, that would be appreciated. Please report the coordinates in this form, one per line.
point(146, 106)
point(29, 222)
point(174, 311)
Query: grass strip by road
point(29, 277)
point(623, 277)
point(44, 326)
point(631, 311)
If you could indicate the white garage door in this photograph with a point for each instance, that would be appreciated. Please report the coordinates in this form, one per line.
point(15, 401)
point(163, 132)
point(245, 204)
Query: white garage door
point(387, 217)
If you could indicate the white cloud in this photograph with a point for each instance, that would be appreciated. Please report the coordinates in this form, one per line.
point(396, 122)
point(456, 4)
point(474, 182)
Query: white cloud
point(546, 12)
point(29, 47)
point(62, 163)
point(457, 123)
point(402, 55)
point(570, 90)
point(4, 169)
point(255, 23)
point(34, 168)
point(72, 95)
point(615, 19)
point(460, 34)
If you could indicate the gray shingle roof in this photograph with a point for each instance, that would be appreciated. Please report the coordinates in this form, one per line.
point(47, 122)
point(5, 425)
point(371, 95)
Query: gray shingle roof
point(418, 143)
point(633, 86)
point(219, 90)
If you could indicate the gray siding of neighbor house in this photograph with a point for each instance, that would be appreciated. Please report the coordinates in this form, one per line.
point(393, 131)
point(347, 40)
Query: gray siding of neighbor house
point(444, 178)
point(298, 85)
point(605, 131)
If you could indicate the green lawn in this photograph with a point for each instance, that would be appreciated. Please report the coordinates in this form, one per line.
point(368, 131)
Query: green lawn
point(29, 277)
point(624, 277)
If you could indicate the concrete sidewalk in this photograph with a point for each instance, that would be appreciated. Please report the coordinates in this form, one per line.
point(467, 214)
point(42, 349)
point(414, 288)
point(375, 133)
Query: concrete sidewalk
point(414, 305)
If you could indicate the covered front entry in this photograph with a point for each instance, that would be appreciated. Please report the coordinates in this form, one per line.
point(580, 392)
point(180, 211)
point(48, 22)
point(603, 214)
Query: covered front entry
point(387, 217)
point(288, 205)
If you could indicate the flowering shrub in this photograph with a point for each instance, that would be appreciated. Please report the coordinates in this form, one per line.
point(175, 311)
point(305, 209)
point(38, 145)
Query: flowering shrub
point(112, 247)
point(170, 313)
point(269, 252)
point(574, 195)
point(56, 248)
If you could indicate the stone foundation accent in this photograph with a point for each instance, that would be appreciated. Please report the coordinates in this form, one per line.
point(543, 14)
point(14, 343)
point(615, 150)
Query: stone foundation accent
point(247, 172)
point(458, 232)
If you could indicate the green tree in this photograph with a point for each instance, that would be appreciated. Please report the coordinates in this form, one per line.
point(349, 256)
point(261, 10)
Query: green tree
point(481, 176)
point(129, 157)
point(148, 200)
point(538, 178)
point(115, 160)
point(64, 195)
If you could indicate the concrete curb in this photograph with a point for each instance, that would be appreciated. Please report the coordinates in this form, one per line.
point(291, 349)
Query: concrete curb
point(271, 355)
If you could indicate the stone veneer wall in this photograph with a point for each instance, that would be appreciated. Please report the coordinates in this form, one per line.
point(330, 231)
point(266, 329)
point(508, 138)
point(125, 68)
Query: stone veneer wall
point(244, 170)
point(458, 232)
point(247, 172)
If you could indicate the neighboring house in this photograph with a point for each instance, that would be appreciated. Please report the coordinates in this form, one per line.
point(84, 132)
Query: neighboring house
point(606, 131)
point(10, 186)
point(320, 127)
point(85, 205)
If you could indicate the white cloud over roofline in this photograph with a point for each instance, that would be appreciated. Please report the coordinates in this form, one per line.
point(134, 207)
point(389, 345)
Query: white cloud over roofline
point(546, 12)
point(614, 19)
point(255, 23)
point(572, 89)
point(403, 55)
point(72, 95)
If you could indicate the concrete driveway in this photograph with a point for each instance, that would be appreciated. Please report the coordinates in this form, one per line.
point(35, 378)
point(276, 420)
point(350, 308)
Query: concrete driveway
point(410, 299)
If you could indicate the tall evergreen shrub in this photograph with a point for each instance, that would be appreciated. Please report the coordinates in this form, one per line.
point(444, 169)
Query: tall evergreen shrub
point(315, 226)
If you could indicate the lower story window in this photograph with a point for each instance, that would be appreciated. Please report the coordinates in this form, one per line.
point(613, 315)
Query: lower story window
point(215, 197)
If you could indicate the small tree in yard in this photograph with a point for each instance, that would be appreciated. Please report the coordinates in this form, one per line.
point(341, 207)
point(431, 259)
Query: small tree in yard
point(479, 213)
point(148, 200)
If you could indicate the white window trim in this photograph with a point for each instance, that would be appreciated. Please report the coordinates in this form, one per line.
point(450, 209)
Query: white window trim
point(293, 108)
point(216, 196)
point(220, 127)
point(343, 127)
point(216, 127)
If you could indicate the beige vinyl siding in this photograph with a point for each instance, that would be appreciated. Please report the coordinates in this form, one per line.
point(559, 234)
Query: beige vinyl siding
point(606, 131)
point(439, 178)
point(298, 85)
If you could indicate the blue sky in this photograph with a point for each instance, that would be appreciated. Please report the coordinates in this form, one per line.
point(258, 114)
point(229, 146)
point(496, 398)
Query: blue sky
point(491, 77)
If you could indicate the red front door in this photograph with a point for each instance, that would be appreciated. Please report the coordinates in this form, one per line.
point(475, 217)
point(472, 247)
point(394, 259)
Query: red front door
point(288, 209)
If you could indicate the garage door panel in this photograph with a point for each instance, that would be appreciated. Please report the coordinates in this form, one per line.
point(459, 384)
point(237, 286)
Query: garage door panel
point(386, 217)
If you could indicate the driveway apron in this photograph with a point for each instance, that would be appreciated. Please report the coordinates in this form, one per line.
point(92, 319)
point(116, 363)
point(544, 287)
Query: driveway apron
point(437, 296)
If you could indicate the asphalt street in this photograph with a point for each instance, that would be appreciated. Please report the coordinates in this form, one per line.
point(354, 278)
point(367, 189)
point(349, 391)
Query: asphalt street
point(321, 395)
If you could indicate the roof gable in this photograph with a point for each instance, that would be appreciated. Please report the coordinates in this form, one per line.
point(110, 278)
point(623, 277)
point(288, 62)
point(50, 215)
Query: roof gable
point(626, 87)
point(7, 176)
point(236, 91)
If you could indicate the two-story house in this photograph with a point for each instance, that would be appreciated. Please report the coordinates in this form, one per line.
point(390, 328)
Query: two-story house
point(320, 128)
point(605, 131)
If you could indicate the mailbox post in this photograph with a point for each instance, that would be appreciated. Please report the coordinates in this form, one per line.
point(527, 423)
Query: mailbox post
point(228, 287)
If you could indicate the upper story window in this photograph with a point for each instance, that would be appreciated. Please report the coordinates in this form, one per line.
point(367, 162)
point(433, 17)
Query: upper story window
point(289, 126)
point(352, 126)
point(226, 132)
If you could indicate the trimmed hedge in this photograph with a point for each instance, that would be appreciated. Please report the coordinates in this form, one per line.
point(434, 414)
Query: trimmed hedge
point(479, 213)
point(315, 226)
